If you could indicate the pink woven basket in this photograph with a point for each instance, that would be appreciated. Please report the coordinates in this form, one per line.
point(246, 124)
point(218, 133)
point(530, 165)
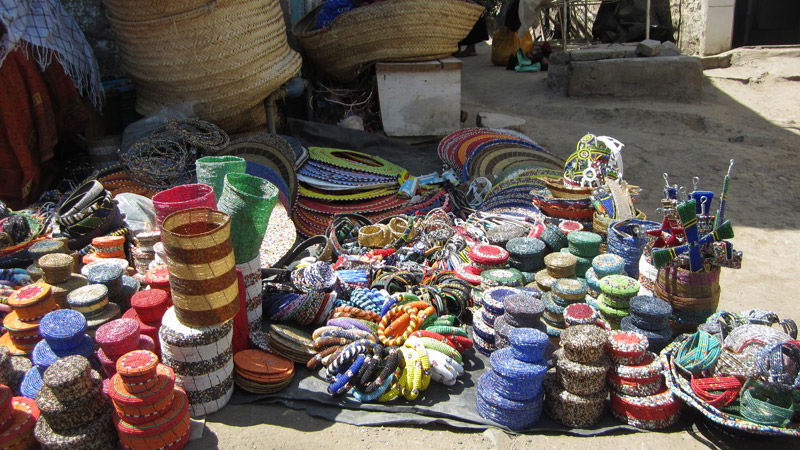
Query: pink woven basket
point(183, 197)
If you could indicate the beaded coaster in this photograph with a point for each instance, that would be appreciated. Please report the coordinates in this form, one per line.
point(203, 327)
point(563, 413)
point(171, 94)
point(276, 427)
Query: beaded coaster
point(619, 286)
point(32, 302)
point(584, 244)
point(608, 264)
point(584, 343)
point(61, 291)
point(63, 329)
point(569, 409)
point(581, 378)
point(528, 344)
point(580, 314)
point(487, 254)
point(88, 300)
point(150, 304)
point(649, 313)
point(524, 311)
point(118, 337)
point(625, 347)
point(554, 238)
point(493, 299)
point(569, 289)
point(56, 267)
point(65, 415)
point(31, 382)
point(560, 265)
point(166, 431)
point(158, 278)
point(69, 377)
point(97, 434)
point(651, 412)
point(544, 281)
point(656, 339)
point(517, 415)
point(501, 277)
point(18, 432)
point(44, 355)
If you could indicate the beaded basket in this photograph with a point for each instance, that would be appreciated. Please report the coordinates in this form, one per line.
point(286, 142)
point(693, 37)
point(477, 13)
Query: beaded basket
point(679, 382)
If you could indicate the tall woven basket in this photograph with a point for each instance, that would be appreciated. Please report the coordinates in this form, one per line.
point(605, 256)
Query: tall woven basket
point(202, 269)
point(390, 30)
point(227, 55)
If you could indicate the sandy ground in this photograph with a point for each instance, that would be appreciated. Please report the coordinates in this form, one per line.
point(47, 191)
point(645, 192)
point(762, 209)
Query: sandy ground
point(749, 113)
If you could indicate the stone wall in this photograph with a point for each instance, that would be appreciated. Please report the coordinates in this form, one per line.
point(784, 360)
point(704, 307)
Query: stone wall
point(689, 16)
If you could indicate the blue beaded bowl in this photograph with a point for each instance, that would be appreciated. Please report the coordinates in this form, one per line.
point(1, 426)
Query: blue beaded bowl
point(63, 328)
point(528, 344)
point(31, 383)
point(43, 355)
point(512, 414)
point(507, 366)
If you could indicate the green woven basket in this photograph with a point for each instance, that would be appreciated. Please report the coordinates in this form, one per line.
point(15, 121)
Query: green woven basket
point(211, 170)
point(249, 201)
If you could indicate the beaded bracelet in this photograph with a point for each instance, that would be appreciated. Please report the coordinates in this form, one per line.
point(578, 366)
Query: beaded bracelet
point(317, 359)
point(772, 363)
point(441, 347)
point(761, 405)
point(390, 363)
point(342, 382)
point(698, 353)
point(444, 330)
point(350, 352)
point(367, 371)
point(365, 397)
point(729, 387)
point(451, 363)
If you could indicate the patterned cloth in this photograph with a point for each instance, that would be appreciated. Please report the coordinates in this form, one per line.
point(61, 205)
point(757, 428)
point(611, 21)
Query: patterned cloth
point(49, 31)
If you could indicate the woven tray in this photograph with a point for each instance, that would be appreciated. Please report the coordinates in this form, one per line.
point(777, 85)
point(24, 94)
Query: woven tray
point(678, 383)
point(391, 30)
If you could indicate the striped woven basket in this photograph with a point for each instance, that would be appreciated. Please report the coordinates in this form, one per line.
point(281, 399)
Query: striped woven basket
point(391, 30)
point(227, 55)
point(202, 270)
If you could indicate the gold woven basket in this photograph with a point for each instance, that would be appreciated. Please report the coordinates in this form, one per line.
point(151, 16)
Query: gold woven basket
point(391, 30)
point(227, 55)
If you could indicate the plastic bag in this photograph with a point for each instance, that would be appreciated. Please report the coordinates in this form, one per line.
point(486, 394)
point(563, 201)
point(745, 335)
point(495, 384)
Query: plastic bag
point(139, 212)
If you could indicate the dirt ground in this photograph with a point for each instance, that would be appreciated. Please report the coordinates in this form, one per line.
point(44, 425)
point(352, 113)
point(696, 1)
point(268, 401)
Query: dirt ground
point(750, 112)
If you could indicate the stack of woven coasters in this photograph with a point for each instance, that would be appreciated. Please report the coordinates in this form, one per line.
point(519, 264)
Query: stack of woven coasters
point(582, 314)
point(142, 250)
point(28, 305)
point(650, 316)
point(483, 321)
point(151, 411)
point(553, 238)
point(121, 287)
point(526, 254)
point(511, 392)
point(487, 256)
point(614, 302)
point(158, 278)
point(40, 249)
point(290, 342)
point(57, 272)
point(92, 302)
point(18, 416)
point(147, 308)
point(639, 396)
point(202, 359)
point(75, 412)
point(603, 265)
point(64, 335)
point(106, 247)
point(585, 246)
point(563, 292)
point(501, 277)
point(117, 338)
point(13, 369)
point(576, 394)
point(500, 235)
point(522, 310)
point(558, 265)
point(260, 372)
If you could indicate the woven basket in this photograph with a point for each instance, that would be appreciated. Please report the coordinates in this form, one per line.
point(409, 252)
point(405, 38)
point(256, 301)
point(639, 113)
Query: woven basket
point(182, 197)
point(202, 270)
point(228, 55)
point(685, 283)
point(211, 170)
point(249, 201)
point(391, 30)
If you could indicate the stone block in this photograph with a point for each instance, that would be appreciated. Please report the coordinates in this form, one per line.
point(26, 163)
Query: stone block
point(676, 78)
point(558, 78)
point(495, 120)
point(604, 51)
point(669, 49)
point(648, 47)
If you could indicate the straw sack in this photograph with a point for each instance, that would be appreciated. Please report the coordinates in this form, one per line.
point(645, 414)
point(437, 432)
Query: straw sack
point(228, 55)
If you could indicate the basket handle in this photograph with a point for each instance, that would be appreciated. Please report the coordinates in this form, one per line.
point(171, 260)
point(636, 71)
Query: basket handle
point(172, 17)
